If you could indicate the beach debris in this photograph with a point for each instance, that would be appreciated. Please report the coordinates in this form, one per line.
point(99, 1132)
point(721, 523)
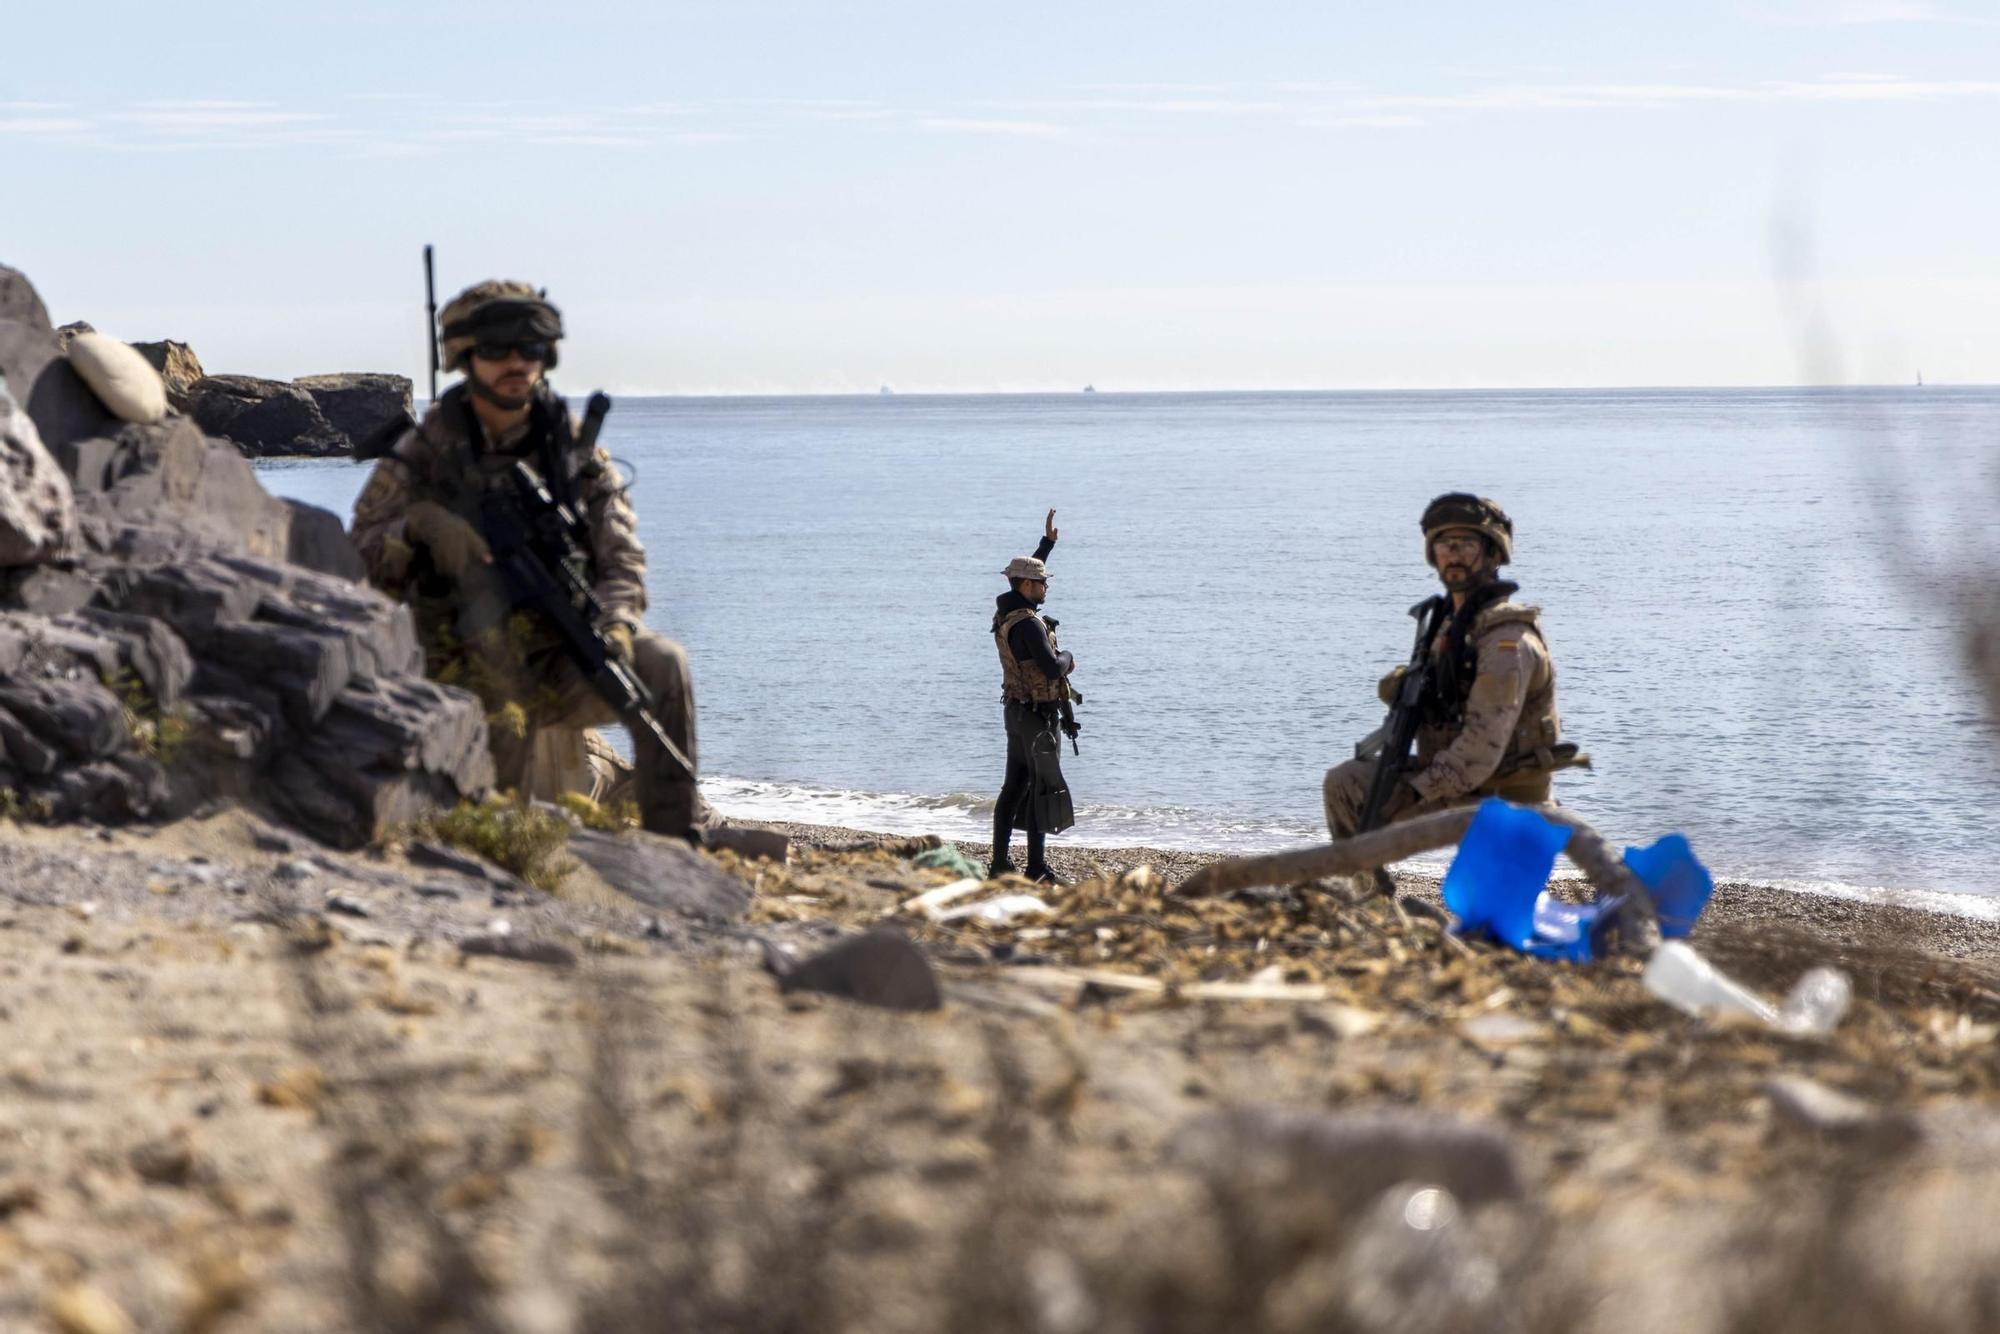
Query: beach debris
point(1362, 854)
point(1816, 1003)
point(1498, 886)
point(997, 911)
point(1680, 976)
point(933, 902)
point(1679, 883)
point(879, 967)
point(1350, 1157)
point(947, 857)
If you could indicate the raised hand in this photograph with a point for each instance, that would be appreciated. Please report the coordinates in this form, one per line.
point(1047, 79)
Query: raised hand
point(1049, 526)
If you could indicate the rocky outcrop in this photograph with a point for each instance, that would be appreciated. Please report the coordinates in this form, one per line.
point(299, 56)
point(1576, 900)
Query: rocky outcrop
point(363, 407)
point(320, 415)
point(263, 416)
point(177, 365)
point(195, 637)
point(37, 515)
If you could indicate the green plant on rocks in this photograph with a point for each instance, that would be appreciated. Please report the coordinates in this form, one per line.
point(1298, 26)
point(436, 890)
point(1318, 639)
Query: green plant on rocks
point(608, 819)
point(511, 834)
point(160, 733)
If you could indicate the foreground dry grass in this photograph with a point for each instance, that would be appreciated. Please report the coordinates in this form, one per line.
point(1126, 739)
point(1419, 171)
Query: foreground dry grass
point(300, 1121)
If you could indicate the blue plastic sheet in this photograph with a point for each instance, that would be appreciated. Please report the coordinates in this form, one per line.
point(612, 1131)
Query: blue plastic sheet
point(1495, 883)
point(1680, 884)
point(1498, 884)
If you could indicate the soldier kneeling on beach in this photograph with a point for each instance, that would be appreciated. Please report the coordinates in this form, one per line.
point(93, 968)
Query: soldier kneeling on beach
point(1488, 724)
point(417, 526)
point(1035, 699)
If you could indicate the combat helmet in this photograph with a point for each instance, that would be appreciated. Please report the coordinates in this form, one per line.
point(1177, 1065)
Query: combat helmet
point(1462, 509)
point(497, 311)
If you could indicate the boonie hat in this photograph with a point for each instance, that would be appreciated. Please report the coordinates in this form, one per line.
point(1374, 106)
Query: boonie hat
point(1026, 567)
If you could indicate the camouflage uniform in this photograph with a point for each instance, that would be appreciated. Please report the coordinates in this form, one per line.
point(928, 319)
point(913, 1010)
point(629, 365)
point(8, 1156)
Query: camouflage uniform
point(1496, 732)
point(472, 636)
point(1509, 722)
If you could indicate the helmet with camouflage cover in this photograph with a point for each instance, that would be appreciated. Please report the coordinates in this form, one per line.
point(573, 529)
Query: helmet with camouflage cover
point(497, 311)
point(1462, 509)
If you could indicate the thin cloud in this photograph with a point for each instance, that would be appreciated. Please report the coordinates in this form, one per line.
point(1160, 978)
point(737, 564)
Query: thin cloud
point(201, 115)
point(1384, 122)
point(1859, 13)
point(1173, 106)
point(29, 126)
point(1037, 129)
point(1601, 96)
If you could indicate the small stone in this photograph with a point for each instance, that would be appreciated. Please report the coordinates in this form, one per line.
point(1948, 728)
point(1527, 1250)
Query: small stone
point(297, 1089)
point(297, 869)
point(80, 1309)
point(1353, 1158)
point(267, 839)
point(345, 905)
point(521, 951)
point(435, 890)
point(1812, 1106)
point(881, 967)
point(165, 1162)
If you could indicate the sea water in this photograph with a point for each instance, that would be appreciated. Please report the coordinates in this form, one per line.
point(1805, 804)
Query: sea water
point(1745, 592)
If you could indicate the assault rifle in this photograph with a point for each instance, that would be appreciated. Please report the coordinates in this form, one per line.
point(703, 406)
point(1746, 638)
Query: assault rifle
point(540, 548)
point(1390, 743)
point(1071, 696)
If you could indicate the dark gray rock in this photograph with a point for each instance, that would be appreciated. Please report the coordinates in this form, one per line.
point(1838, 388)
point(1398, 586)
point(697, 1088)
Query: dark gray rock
point(661, 873)
point(37, 510)
point(1349, 1158)
point(263, 417)
point(38, 374)
point(81, 719)
point(364, 407)
point(388, 751)
point(317, 540)
point(881, 967)
point(507, 946)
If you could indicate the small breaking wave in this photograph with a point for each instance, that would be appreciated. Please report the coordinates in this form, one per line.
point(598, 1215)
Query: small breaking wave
point(970, 816)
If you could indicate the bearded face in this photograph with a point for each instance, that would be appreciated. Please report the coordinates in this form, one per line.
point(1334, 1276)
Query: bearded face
point(1463, 557)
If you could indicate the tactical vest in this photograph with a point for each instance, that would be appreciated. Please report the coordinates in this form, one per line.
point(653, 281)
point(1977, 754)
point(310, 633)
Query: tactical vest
point(1539, 728)
point(1025, 682)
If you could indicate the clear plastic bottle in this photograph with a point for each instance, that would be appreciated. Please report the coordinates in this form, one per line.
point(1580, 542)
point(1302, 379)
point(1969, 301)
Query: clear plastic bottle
point(1683, 979)
point(1816, 1003)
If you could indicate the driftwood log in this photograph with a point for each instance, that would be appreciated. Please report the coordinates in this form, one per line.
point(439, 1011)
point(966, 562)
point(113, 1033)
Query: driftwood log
point(1606, 872)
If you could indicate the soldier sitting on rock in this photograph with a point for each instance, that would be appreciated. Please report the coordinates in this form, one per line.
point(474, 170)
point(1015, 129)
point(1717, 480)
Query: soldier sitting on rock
point(1489, 721)
point(416, 526)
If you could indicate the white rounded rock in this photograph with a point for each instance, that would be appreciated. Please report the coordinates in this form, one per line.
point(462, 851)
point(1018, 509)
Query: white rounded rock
point(123, 380)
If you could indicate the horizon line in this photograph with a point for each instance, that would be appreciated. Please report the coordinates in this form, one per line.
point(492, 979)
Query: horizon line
point(1372, 389)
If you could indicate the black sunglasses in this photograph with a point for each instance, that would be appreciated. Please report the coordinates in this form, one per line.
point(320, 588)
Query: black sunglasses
point(530, 351)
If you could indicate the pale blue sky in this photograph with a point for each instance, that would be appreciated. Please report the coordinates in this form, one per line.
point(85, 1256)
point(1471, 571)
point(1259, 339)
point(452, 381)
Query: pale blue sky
point(753, 197)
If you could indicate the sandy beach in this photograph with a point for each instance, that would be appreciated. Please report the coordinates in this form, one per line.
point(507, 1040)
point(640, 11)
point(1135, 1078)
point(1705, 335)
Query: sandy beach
point(254, 1084)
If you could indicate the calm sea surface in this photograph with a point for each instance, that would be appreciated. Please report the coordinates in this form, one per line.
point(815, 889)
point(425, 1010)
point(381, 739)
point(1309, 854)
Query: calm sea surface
point(1737, 643)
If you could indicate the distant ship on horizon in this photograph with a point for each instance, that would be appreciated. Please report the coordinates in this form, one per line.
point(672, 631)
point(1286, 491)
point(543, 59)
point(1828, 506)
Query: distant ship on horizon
point(885, 389)
point(1090, 389)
